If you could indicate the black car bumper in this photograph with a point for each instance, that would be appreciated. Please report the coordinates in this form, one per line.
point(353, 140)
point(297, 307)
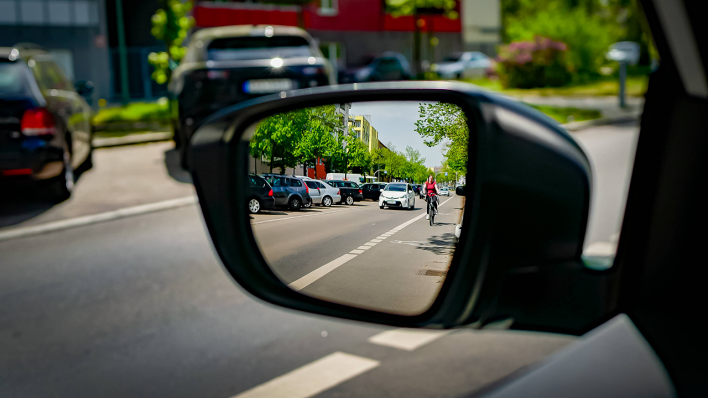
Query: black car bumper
point(31, 159)
point(267, 203)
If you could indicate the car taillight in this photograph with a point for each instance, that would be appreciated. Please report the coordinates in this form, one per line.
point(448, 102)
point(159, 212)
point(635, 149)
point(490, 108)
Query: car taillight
point(338, 192)
point(307, 189)
point(37, 121)
point(360, 191)
point(270, 193)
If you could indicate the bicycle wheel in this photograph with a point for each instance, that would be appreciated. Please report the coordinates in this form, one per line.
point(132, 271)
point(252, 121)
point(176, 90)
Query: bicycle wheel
point(431, 211)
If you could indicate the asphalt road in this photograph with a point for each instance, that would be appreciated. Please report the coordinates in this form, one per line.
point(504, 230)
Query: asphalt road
point(140, 306)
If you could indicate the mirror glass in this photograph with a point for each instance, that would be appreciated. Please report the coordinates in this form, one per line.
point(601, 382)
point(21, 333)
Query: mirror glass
point(338, 200)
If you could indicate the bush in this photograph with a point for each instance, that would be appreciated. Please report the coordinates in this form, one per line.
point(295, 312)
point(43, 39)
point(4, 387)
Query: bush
point(529, 64)
point(587, 35)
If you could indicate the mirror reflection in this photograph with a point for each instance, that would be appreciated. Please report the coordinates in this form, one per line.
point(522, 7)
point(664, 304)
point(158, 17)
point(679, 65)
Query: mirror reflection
point(355, 203)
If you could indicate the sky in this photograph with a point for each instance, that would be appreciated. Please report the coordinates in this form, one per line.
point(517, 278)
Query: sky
point(395, 122)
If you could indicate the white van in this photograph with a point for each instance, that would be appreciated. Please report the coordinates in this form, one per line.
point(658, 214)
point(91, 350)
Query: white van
point(358, 178)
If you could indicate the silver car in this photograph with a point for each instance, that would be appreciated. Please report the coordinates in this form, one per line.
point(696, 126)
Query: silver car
point(463, 65)
point(321, 192)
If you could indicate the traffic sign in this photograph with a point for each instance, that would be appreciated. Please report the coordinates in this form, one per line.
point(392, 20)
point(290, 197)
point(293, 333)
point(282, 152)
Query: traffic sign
point(624, 51)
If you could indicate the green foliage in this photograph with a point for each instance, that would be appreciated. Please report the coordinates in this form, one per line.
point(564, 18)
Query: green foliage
point(446, 123)
point(134, 112)
point(170, 24)
point(540, 63)
point(588, 27)
point(409, 7)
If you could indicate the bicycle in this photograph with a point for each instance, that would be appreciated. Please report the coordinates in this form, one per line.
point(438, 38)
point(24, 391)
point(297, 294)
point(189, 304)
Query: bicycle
point(431, 210)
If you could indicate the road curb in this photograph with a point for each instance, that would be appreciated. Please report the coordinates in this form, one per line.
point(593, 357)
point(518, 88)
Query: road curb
point(131, 139)
point(585, 124)
point(96, 218)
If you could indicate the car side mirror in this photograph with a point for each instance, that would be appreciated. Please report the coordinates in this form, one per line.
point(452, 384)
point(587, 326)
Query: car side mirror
point(523, 220)
point(460, 191)
point(84, 88)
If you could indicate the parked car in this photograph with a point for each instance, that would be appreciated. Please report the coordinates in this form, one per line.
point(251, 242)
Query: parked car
point(45, 124)
point(230, 64)
point(260, 194)
point(350, 191)
point(372, 190)
point(322, 193)
point(444, 191)
point(289, 191)
point(388, 66)
point(464, 64)
point(398, 194)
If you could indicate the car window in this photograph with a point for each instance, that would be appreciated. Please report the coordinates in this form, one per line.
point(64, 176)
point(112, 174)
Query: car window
point(366, 187)
point(13, 80)
point(396, 188)
point(295, 183)
point(49, 76)
point(352, 185)
point(388, 65)
point(279, 182)
point(311, 184)
point(247, 47)
point(321, 185)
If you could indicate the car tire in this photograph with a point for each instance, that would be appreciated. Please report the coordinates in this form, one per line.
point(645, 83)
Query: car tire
point(254, 206)
point(295, 204)
point(412, 206)
point(307, 204)
point(61, 187)
point(350, 200)
point(382, 207)
point(326, 201)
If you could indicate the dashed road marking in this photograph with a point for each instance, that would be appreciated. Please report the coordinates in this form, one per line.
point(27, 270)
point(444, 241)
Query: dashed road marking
point(407, 339)
point(320, 272)
point(306, 215)
point(313, 378)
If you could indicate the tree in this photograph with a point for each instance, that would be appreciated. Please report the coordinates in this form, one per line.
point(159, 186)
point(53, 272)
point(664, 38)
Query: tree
point(416, 8)
point(276, 137)
point(321, 124)
point(170, 24)
point(445, 123)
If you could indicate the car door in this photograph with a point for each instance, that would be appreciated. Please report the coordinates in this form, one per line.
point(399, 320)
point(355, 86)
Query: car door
point(368, 191)
point(280, 190)
point(326, 191)
point(315, 191)
point(63, 99)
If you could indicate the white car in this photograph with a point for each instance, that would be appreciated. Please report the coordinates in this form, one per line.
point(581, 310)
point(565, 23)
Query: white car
point(444, 191)
point(321, 192)
point(466, 64)
point(397, 194)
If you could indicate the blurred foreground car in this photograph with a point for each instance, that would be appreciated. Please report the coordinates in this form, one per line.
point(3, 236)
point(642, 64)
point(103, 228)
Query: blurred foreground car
point(387, 67)
point(464, 65)
point(45, 124)
point(230, 64)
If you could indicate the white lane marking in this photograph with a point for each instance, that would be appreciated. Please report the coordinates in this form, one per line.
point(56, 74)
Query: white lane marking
point(329, 267)
point(407, 339)
point(376, 240)
point(306, 215)
point(97, 218)
point(320, 272)
point(601, 249)
point(381, 237)
point(371, 243)
point(313, 378)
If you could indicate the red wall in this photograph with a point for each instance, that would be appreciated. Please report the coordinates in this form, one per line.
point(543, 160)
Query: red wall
point(353, 15)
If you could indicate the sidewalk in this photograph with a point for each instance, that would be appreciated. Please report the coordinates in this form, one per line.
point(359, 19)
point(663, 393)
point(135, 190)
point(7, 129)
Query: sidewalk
point(609, 106)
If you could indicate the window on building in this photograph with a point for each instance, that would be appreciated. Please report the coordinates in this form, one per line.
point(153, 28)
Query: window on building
point(328, 7)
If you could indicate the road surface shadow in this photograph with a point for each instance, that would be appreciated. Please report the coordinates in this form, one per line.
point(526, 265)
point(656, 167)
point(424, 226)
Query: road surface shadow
point(174, 169)
point(439, 244)
point(23, 200)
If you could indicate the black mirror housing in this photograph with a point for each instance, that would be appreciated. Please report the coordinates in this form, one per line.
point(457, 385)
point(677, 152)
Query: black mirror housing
point(460, 191)
point(526, 206)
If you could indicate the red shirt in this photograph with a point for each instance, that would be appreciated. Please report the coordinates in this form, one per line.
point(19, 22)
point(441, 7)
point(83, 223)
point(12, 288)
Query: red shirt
point(430, 187)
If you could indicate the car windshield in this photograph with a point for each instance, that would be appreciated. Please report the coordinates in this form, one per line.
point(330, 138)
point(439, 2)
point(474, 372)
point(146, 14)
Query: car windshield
point(13, 80)
point(246, 48)
point(396, 188)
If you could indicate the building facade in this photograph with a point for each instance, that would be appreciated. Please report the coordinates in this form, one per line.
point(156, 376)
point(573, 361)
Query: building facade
point(74, 31)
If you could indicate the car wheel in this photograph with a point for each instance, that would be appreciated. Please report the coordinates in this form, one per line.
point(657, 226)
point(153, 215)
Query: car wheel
point(412, 206)
point(307, 204)
point(326, 201)
point(295, 204)
point(254, 206)
point(382, 207)
point(350, 200)
point(60, 187)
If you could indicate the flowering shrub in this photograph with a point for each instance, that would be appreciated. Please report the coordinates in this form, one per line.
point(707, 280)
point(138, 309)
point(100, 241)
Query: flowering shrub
point(537, 63)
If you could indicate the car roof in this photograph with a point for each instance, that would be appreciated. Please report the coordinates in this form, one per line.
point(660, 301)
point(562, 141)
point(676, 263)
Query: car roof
point(247, 30)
